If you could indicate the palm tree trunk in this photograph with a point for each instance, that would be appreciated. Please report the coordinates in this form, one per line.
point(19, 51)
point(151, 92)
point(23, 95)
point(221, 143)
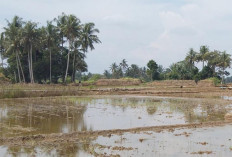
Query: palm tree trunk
point(15, 76)
point(20, 65)
point(2, 58)
point(50, 65)
point(203, 64)
point(32, 76)
point(29, 63)
point(66, 73)
point(16, 56)
point(223, 75)
point(73, 73)
point(74, 76)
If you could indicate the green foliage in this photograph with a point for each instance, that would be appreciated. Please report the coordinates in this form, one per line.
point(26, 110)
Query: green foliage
point(206, 72)
point(95, 77)
point(181, 71)
point(152, 70)
point(52, 52)
point(215, 80)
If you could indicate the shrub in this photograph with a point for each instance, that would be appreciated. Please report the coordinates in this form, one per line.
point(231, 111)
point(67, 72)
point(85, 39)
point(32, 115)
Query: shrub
point(215, 80)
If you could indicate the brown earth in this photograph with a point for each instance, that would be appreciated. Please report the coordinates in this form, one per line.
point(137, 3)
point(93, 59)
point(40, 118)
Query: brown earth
point(59, 138)
point(118, 82)
point(171, 89)
point(184, 83)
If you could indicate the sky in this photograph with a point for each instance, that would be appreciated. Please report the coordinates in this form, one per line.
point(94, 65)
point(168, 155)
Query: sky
point(137, 30)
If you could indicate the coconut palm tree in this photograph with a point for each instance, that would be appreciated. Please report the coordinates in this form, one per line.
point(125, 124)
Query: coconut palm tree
point(202, 55)
point(51, 34)
point(85, 41)
point(113, 69)
point(71, 30)
point(191, 57)
point(29, 38)
point(224, 62)
point(88, 36)
point(78, 56)
point(61, 21)
point(12, 42)
point(123, 65)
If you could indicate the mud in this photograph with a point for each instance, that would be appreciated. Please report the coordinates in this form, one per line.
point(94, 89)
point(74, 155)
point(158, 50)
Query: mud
point(125, 125)
point(56, 139)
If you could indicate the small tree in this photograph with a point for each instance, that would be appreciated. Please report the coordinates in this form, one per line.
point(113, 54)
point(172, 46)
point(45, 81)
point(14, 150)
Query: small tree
point(152, 70)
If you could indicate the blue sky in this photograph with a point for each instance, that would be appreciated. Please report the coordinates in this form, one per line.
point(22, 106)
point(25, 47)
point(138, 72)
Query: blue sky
point(138, 30)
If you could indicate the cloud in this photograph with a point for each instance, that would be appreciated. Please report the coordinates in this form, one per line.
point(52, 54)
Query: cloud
point(138, 30)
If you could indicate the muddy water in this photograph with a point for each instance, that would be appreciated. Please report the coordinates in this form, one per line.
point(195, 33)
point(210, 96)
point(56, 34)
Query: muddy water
point(21, 117)
point(65, 115)
point(73, 150)
point(215, 141)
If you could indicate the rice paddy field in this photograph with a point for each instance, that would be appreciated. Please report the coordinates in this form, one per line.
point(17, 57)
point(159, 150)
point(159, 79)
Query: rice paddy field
point(145, 120)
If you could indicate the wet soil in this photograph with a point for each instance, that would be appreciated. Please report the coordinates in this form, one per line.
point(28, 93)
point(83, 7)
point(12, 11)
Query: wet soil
point(137, 122)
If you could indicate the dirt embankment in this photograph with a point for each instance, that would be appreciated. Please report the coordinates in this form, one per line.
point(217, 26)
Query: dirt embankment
point(58, 138)
point(118, 82)
point(186, 83)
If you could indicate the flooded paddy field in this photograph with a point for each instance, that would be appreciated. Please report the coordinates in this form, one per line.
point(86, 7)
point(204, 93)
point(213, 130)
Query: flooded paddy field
point(115, 126)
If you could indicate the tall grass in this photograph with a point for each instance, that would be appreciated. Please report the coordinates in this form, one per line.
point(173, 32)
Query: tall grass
point(12, 93)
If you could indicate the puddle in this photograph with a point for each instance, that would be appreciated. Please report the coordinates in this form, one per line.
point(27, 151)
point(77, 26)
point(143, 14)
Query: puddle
point(179, 143)
point(65, 115)
point(226, 97)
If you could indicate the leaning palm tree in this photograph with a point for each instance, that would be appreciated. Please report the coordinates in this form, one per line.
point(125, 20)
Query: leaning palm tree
point(12, 42)
point(71, 30)
point(51, 33)
point(29, 37)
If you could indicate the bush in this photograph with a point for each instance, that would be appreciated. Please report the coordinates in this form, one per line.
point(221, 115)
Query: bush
point(215, 80)
point(95, 77)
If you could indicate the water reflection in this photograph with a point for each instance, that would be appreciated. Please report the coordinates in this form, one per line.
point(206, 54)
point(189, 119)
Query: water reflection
point(43, 116)
point(71, 150)
point(69, 114)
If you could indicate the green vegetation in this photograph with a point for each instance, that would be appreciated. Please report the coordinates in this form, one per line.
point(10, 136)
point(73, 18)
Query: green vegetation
point(215, 80)
point(214, 65)
point(56, 53)
point(48, 53)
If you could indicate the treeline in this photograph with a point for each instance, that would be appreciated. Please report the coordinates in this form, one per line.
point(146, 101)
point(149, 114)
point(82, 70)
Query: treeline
point(48, 53)
point(214, 64)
